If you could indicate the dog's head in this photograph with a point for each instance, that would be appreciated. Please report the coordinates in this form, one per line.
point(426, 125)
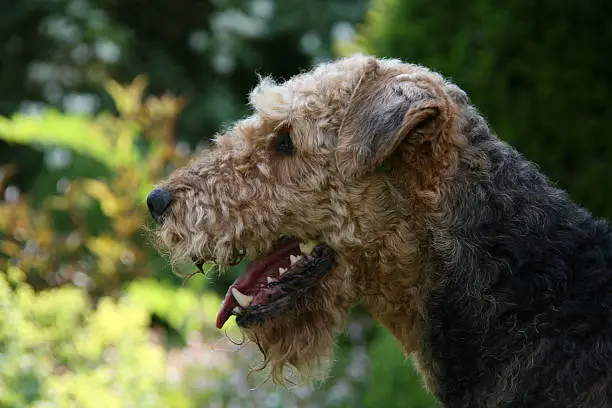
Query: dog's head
point(317, 189)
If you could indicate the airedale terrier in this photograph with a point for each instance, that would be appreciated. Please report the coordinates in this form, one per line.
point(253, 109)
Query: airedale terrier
point(375, 181)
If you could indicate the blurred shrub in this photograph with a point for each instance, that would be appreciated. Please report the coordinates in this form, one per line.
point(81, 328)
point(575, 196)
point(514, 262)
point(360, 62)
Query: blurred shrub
point(90, 232)
point(58, 352)
point(394, 381)
point(537, 69)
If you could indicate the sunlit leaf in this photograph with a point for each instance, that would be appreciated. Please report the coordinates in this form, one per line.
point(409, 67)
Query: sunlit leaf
point(127, 98)
point(76, 132)
point(9, 248)
point(101, 191)
point(105, 247)
point(44, 237)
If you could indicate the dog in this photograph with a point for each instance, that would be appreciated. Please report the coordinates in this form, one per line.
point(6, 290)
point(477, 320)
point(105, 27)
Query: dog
point(376, 181)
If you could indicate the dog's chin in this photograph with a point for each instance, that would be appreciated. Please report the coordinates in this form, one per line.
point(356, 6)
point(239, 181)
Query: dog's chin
point(298, 329)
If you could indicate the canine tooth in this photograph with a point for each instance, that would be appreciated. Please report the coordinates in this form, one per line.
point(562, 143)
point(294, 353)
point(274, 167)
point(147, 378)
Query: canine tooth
point(271, 279)
point(294, 258)
point(237, 310)
point(243, 300)
point(281, 271)
point(307, 247)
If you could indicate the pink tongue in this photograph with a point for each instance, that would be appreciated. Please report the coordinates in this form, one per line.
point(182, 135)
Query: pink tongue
point(246, 282)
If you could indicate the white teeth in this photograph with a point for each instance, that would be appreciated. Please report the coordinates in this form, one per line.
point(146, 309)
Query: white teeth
point(271, 279)
point(281, 271)
point(307, 247)
point(237, 310)
point(293, 259)
point(243, 300)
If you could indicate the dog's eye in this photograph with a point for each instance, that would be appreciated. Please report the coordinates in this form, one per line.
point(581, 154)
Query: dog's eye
point(283, 142)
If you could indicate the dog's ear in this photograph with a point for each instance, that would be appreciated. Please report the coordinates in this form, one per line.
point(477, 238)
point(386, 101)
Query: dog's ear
point(386, 109)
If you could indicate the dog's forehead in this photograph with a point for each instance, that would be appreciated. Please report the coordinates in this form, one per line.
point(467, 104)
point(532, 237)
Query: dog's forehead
point(322, 91)
point(319, 89)
point(337, 74)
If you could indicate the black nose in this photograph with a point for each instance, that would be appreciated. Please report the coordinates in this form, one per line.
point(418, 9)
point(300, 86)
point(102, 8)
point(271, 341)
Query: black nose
point(158, 201)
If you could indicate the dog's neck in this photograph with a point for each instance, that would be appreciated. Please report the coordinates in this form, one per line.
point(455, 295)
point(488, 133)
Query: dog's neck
point(394, 275)
point(492, 257)
point(492, 251)
point(466, 266)
point(390, 272)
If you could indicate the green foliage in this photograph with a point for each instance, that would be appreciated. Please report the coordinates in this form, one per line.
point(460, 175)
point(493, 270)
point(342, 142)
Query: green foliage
point(395, 382)
point(182, 308)
point(75, 132)
point(100, 219)
point(58, 352)
point(536, 69)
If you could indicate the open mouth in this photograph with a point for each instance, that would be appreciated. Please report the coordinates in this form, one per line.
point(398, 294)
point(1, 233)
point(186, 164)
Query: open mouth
point(276, 282)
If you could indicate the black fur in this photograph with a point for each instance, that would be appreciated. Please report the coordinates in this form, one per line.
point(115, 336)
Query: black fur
point(520, 313)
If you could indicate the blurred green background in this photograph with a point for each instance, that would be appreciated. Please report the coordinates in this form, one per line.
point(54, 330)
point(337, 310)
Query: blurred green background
point(101, 98)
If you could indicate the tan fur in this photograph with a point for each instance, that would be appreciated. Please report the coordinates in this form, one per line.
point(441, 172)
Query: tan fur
point(366, 197)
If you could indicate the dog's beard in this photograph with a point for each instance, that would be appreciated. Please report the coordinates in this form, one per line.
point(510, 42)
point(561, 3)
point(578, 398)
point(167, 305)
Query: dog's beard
point(293, 318)
point(304, 338)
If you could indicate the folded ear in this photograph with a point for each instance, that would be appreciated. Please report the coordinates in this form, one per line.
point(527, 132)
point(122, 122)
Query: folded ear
point(386, 109)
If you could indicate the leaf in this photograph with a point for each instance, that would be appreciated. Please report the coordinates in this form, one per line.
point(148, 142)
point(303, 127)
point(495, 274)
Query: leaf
point(9, 248)
point(109, 202)
point(127, 98)
point(92, 137)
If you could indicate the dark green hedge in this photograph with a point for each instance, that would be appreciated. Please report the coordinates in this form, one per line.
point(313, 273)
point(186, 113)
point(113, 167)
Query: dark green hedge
point(540, 71)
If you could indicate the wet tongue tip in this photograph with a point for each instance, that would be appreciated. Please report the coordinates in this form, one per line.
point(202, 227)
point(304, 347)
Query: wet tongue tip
point(226, 309)
point(222, 317)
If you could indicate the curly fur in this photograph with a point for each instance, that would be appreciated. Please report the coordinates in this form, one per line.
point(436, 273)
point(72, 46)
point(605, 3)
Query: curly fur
point(491, 277)
point(520, 311)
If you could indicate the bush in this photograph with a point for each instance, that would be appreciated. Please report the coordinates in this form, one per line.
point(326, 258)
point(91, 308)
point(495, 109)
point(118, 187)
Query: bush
point(58, 352)
point(538, 70)
point(395, 382)
point(87, 229)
